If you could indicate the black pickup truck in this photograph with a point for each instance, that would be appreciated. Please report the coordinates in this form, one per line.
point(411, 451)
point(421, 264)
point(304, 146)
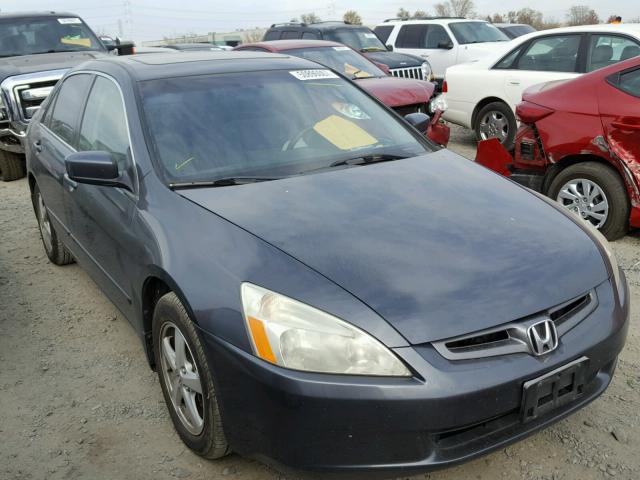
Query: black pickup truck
point(36, 49)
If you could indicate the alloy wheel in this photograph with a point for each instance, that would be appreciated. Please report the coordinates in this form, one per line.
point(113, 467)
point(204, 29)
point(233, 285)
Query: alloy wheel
point(181, 378)
point(494, 124)
point(586, 199)
point(44, 224)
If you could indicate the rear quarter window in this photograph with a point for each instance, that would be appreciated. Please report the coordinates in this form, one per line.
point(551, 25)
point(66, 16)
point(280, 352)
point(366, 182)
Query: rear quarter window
point(628, 82)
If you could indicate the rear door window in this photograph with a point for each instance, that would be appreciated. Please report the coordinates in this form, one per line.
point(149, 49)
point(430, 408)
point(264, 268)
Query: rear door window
point(605, 50)
point(310, 36)
point(412, 36)
point(68, 107)
point(628, 82)
point(290, 34)
point(555, 53)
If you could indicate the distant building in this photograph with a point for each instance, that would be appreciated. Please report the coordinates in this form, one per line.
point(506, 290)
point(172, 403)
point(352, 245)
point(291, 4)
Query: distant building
point(230, 39)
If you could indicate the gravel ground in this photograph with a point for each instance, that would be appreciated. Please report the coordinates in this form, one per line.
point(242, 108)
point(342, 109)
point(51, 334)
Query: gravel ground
point(78, 400)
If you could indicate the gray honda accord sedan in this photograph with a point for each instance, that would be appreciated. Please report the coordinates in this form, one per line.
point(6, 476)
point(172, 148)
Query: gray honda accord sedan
point(316, 283)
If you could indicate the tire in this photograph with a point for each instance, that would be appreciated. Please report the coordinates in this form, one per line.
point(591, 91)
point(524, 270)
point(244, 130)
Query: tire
point(615, 222)
point(53, 247)
point(12, 166)
point(207, 439)
point(504, 123)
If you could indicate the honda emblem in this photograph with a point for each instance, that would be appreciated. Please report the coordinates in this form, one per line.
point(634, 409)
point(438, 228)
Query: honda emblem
point(543, 337)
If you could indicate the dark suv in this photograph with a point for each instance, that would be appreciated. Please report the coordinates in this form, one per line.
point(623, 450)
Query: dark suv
point(359, 38)
point(36, 49)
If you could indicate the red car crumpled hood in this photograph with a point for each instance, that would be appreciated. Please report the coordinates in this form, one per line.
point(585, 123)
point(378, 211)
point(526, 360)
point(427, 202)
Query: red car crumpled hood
point(398, 92)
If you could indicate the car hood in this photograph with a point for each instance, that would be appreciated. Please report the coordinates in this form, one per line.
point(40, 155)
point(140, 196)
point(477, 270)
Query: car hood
point(436, 245)
point(395, 59)
point(11, 66)
point(398, 92)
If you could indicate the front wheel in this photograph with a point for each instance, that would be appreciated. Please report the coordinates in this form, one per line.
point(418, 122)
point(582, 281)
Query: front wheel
point(597, 194)
point(186, 379)
point(496, 120)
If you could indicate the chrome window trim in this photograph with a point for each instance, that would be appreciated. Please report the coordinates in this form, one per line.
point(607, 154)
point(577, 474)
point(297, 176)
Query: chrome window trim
point(126, 119)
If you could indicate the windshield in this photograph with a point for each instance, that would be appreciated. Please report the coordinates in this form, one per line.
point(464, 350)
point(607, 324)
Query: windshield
point(476, 32)
point(342, 59)
point(31, 35)
point(271, 124)
point(357, 38)
point(518, 30)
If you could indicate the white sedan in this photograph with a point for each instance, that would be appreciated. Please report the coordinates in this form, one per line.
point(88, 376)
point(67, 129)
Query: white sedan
point(483, 95)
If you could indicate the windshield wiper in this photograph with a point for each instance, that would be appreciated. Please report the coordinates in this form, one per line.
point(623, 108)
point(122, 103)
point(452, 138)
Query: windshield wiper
point(372, 49)
point(366, 159)
point(222, 182)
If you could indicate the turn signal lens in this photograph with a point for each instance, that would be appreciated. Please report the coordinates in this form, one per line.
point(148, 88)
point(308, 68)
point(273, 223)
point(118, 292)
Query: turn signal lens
point(294, 335)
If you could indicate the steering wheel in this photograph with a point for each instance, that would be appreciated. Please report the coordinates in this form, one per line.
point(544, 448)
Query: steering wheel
point(293, 141)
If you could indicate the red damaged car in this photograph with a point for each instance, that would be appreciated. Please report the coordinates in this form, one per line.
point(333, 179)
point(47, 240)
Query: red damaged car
point(579, 143)
point(404, 95)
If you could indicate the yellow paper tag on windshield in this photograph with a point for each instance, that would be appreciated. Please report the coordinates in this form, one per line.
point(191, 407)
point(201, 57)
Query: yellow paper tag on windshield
point(343, 133)
point(83, 42)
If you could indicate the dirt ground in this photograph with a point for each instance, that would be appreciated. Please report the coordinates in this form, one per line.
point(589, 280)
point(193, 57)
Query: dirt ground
point(77, 399)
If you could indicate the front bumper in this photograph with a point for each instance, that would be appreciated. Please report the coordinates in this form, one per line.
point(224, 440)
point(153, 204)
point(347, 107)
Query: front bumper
point(13, 139)
point(448, 413)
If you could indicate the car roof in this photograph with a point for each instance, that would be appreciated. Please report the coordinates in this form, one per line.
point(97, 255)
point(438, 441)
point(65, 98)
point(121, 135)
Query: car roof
point(628, 28)
point(511, 25)
point(328, 25)
point(439, 20)
point(178, 64)
point(282, 45)
point(49, 13)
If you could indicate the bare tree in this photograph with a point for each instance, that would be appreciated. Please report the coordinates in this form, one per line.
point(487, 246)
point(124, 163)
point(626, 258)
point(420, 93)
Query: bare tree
point(529, 16)
point(252, 36)
point(419, 14)
point(582, 15)
point(496, 18)
point(352, 17)
point(309, 18)
point(403, 14)
point(455, 8)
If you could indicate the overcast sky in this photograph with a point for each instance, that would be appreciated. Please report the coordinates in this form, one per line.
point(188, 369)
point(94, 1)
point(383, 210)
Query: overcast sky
point(153, 19)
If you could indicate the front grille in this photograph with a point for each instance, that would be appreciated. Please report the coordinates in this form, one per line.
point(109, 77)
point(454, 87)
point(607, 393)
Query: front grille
point(29, 97)
point(510, 338)
point(407, 109)
point(408, 72)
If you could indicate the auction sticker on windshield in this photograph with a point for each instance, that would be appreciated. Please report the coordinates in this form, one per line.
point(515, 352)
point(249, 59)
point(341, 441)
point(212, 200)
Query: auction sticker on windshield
point(313, 74)
point(65, 21)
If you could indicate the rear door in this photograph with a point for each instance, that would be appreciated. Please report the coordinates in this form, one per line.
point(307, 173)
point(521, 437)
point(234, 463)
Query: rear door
point(547, 58)
point(54, 139)
point(101, 216)
point(619, 103)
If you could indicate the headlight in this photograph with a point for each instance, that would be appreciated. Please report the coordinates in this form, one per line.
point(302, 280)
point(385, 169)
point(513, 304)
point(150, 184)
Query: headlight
point(427, 73)
point(3, 111)
point(606, 247)
point(294, 335)
point(438, 103)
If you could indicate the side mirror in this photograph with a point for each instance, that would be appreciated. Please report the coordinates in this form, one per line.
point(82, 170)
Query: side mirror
point(419, 121)
point(95, 168)
point(123, 48)
point(445, 45)
point(390, 48)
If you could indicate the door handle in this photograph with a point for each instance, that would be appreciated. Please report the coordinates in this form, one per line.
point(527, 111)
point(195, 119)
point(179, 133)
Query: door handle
point(37, 146)
point(424, 55)
point(626, 126)
point(70, 184)
point(514, 82)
